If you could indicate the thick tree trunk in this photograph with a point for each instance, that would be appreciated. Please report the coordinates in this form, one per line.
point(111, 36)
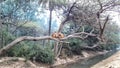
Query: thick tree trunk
point(7, 47)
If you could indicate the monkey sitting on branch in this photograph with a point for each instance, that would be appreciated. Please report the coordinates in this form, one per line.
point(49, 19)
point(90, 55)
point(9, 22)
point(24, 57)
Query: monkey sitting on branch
point(57, 49)
point(57, 35)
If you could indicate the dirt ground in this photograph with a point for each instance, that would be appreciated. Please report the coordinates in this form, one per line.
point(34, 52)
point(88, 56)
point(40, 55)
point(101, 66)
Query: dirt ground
point(111, 62)
point(18, 62)
point(9, 62)
point(13, 64)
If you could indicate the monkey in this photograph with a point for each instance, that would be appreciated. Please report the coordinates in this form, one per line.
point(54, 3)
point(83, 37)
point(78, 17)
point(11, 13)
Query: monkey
point(60, 35)
point(57, 35)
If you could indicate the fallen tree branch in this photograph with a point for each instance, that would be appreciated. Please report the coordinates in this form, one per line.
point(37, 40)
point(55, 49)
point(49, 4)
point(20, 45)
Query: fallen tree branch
point(20, 39)
point(4, 49)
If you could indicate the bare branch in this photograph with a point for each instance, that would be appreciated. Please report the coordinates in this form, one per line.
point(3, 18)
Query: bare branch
point(92, 31)
point(106, 20)
point(9, 23)
point(67, 17)
point(103, 28)
point(79, 35)
point(101, 7)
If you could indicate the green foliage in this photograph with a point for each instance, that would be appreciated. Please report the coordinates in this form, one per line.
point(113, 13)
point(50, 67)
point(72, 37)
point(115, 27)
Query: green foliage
point(91, 40)
point(75, 45)
point(112, 34)
point(5, 37)
point(108, 46)
point(44, 55)
point(20, 50)
point(66, 51)
point(33, 52)
point(76, 50)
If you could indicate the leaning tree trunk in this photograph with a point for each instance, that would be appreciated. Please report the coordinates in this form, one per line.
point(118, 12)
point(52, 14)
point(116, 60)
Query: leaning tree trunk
point(18, 40)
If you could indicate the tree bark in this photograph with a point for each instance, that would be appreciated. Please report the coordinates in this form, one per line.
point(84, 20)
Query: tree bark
point(16, 41)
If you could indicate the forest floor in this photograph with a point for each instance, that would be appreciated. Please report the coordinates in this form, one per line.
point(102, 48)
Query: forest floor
point(111, 62)
point(17, 62)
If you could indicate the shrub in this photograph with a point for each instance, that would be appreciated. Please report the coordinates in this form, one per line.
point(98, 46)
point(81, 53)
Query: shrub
point(33, 52)
point(75, 45)
point(45, 56)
